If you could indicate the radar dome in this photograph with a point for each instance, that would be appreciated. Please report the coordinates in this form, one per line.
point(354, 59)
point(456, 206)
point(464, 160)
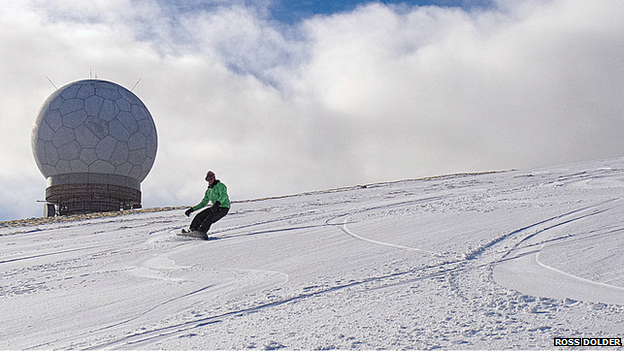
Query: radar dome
point(97, 134)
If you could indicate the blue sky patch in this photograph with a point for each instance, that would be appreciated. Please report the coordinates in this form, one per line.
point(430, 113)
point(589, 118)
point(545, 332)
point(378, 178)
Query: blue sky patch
point(294, 11)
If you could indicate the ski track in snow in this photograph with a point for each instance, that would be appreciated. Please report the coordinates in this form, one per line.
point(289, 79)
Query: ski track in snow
point(344, 228)
point(522, 268)
point(459, 261)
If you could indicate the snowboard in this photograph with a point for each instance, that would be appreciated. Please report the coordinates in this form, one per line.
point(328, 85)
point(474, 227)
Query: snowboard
point(192, 234)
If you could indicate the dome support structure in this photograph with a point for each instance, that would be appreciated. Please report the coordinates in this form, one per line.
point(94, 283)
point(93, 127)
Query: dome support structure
point(84, 198)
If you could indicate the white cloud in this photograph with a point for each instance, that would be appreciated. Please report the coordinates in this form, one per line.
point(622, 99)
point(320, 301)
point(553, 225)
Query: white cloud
point(379, 93)
point(481, 90)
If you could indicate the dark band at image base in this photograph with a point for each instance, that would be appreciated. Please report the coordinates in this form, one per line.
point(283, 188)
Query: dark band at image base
point(588, 341)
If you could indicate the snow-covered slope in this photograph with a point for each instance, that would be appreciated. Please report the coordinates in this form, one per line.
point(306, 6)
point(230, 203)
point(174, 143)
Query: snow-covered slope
point(494, 260)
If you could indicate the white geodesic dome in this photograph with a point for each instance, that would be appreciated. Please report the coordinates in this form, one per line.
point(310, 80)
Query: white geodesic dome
point(94, 126)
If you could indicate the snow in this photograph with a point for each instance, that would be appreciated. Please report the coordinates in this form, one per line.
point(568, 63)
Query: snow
point(466, 261)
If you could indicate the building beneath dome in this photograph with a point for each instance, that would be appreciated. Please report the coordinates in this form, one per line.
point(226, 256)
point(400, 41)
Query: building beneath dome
point(95, 142)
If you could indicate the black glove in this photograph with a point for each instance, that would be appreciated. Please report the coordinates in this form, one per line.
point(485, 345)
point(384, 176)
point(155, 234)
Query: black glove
point(215, 206)
point(189, 211)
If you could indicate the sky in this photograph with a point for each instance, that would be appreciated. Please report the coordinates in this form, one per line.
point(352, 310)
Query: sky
point(282, 97)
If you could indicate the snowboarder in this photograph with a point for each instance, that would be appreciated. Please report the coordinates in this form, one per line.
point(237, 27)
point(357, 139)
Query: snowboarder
point(216, 194)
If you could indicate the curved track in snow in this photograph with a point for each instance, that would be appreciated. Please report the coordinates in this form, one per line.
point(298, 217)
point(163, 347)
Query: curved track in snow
point(521, 268)
point(345, 229)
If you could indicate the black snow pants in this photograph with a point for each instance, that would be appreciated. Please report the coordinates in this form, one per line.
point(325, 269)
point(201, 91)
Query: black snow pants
point(205, 218)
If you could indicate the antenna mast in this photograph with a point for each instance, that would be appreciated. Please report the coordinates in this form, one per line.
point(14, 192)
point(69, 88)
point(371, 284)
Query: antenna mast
point(135, 84)
point(50, 80)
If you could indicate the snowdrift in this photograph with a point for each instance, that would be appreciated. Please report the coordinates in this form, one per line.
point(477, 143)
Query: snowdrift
point(468, 261)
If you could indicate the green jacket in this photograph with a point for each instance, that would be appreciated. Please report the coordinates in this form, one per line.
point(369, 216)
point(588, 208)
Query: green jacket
point(214, 193)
